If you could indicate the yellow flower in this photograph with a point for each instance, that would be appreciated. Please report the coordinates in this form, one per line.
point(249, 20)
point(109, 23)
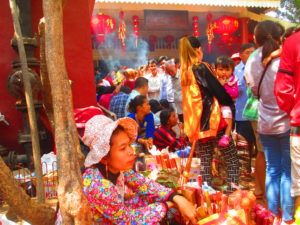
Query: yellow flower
point(119, 213)
point(105, 183)
point(87, 182)
point(143, 188)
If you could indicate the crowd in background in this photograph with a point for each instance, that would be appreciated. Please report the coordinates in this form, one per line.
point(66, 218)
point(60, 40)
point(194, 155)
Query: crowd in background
point(255, 103)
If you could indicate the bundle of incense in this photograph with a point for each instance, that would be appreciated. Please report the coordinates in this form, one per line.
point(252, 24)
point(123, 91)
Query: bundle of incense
point(185, 174)
point(208, 202)
point(224, 203)
point(173, 164)
point(167, 160)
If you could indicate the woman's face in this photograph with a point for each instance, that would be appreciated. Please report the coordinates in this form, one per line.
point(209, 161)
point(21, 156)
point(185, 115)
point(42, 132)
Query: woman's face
point(173, 119)
point(144, 108)
point(121, 156)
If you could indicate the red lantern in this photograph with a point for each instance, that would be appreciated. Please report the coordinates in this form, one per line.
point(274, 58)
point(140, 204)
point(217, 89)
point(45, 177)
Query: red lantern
point(196, 26)
point(136, 28)
point(169, 39)
point(102, 25)
point(225, 26)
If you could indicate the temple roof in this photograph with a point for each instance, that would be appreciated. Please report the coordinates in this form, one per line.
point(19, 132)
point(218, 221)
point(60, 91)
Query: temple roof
point(237, 3)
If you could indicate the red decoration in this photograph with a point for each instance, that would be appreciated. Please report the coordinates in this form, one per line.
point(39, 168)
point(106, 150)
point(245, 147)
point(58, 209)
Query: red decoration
point(169, 39)
point(196, 26)
point(209, 17)
point(122, 31)
point(250, 37)
point(225, 26)
point(209, 31)
point(102, 25)
point(152, 41)
point(136, 28)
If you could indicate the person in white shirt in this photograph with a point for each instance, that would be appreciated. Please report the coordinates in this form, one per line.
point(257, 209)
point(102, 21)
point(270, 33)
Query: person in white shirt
point(154, 81)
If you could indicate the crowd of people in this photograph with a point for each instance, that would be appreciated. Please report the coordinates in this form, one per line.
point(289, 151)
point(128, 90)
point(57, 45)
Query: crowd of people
point(172, 103)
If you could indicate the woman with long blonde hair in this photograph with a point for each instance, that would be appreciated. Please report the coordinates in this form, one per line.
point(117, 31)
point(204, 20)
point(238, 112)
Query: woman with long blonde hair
point(202, 95)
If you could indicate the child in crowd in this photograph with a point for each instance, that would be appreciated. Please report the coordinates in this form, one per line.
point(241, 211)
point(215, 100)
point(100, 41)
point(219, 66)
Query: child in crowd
point(224, 67)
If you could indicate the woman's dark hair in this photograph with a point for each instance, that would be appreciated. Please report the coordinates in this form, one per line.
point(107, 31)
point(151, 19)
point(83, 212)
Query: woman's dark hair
point(154, 106)
point(164, 103)
point(195, 43)
point(267, 35)
point(115, 132)
point(137, 101)
point(165, 116)
point(225, 62)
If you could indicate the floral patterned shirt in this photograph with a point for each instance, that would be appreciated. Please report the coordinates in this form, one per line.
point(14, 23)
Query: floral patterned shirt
point(109, 205)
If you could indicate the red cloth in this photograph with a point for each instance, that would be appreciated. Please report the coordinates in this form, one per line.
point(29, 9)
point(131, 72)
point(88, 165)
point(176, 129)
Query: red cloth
point(82, 115)
point(106, 99)
point(130, 84)
point(287, 89)
point(110, 80)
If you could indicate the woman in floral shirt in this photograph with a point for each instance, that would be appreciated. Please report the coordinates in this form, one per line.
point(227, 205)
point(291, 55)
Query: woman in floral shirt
point(108, 178)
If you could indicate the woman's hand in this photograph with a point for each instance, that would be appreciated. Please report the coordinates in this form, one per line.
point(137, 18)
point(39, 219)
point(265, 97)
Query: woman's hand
point(149, 143)
point(186, 208)
point(170, 204)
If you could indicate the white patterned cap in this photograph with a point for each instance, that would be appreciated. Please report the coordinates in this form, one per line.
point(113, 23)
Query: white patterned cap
point(97, 134)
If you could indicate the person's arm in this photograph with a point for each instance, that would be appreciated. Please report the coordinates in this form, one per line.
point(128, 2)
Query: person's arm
point(104, 196)
point(232, 89)
point(285, 78)
point(150, 127)
point(145, 186)
point(273, 55)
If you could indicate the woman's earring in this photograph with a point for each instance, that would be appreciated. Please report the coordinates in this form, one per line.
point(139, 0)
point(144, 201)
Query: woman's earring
point(106, 170)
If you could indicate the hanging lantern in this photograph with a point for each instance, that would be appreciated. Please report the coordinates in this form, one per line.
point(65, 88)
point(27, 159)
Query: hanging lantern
point(102, 25)
point(135, 24)
point(169, 39)
point(196, 26)
point(225, 26)
point(209, 31)
point(122, 31)
point(152, 41)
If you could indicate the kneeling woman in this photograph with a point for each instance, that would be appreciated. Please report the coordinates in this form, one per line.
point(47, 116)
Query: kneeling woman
point(108, 178)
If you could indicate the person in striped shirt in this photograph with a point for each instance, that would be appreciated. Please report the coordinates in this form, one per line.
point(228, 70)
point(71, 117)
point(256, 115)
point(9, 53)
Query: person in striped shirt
point(165, 136)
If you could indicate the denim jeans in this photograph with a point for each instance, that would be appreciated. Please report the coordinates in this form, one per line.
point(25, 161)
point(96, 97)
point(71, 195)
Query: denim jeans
point(278, 174)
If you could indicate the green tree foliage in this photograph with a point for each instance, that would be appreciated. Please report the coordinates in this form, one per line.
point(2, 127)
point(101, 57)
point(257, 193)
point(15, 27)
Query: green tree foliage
point(290, 9)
